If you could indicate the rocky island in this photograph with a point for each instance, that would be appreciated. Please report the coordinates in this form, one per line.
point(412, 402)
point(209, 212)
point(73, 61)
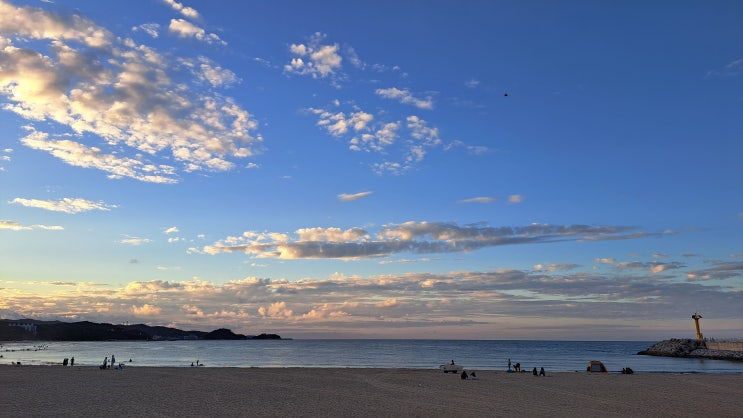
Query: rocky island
point(31, 329)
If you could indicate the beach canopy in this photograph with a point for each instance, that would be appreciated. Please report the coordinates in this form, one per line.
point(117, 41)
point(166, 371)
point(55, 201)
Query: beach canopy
point(595, 366)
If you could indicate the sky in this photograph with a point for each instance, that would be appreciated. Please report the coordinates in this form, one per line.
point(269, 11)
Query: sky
point(332, 169)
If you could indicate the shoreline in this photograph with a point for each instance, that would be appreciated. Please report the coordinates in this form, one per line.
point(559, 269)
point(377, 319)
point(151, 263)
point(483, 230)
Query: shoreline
point(344, 392)
point(351, 368)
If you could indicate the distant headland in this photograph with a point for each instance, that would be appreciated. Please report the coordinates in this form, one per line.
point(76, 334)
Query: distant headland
point(31, 329)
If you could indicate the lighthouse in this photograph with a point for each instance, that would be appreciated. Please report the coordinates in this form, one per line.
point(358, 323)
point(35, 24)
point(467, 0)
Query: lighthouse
point(696, 317)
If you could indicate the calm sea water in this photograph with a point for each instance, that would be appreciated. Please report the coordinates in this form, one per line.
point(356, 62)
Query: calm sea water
point(417, 354)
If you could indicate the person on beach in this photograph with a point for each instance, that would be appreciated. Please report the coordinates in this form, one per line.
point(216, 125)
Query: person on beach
point(534, 372)
point(473, 376)
point(517, 367)
point(113, 361)
point(509, 364)
point(72, 361)
point(464, 375)
point(541, 372)
point(105, 363)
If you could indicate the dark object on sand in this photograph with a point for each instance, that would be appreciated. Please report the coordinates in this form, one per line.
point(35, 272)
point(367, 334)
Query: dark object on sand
point(595, 366)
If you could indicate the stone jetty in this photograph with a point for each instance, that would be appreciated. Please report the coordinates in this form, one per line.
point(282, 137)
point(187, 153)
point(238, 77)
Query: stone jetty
point(689, 347)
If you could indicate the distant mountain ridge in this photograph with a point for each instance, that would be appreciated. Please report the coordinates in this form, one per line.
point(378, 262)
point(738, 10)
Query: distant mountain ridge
point(32, 329)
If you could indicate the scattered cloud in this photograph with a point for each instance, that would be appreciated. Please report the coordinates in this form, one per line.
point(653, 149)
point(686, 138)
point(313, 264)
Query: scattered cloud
point(482, 199)
point(172, 230)
point(185, 29)
point(314, 58)
point(515, 198)
point(80, 155)
point(184, 10)
point(66, 205)
point(216, 75)
point(404, 96)
point(78, 75)
point(152, 29)
point(731, 69)
point(345, 197)
point(146, 310)
point(551, 268)
point(719, 271)
point(472, 83)
point(135, 241)
point(16, 226)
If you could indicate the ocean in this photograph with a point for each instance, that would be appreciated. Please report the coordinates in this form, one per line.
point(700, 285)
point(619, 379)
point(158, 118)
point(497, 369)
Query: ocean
point(557, 356)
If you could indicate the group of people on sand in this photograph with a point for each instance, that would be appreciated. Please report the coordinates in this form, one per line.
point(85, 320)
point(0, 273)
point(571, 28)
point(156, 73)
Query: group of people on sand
point(517, 368)
point(70, 361)
point(113, 365)
point(471, 376)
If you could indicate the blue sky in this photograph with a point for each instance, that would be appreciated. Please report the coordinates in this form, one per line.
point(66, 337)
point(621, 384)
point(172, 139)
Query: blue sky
point(487, 170)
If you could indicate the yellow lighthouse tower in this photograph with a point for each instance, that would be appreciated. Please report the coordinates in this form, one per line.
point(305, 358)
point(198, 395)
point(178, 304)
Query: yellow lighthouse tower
point(696, 317)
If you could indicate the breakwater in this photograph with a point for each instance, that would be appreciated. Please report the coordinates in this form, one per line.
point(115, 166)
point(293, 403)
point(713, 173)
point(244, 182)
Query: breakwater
point(689, 347)
point(724, 345)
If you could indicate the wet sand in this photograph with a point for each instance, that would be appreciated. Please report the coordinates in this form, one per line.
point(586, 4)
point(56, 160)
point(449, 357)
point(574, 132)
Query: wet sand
point(311, 392)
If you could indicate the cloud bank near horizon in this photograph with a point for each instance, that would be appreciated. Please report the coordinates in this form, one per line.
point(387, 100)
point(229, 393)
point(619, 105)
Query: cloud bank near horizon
point(474, 300)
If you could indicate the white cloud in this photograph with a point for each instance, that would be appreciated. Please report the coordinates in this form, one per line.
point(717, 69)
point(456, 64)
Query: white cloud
point(17, 226)
point(515, 198)
point(146, 310)
point(314, 59)
point(482, 199)
point(75, 73)
point(472, 83)
point(345, 197)
point(66, 205)
point(185, 29)
point(215, 75)
point(79, 155)
point(420, 301)
point(172, 230)
point(184, 10)
point(409, 237)
point(382, 137)
point(135, 241)
point(152, 29)
point(405, 97)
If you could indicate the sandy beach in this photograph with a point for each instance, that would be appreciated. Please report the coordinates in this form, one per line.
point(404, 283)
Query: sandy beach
point(310, 392)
